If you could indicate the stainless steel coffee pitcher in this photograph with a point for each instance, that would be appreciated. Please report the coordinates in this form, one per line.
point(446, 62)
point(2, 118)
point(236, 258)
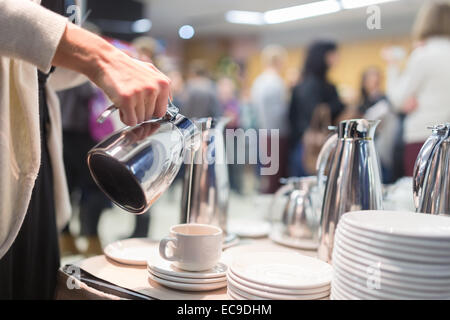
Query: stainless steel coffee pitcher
point(353, 181)
point(206, 186)
point(431, 181)
point(135, 165)
point(300, 218)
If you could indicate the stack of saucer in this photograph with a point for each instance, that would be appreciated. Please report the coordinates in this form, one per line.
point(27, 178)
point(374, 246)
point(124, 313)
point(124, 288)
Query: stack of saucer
point(166, 274)
point(391, 255)
point(278, 275)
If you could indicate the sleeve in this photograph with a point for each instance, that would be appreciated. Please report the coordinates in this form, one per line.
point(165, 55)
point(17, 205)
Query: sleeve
point(400, 87)
point(63, 79)
point(30, 32)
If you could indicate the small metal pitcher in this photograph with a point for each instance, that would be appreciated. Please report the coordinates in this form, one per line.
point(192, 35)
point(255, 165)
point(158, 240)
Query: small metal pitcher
point(431, 183)
point(135, 165)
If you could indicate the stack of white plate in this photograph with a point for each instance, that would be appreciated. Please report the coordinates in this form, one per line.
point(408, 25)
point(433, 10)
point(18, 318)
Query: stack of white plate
point(278, 275)
point(166, 274)
point(391, 255)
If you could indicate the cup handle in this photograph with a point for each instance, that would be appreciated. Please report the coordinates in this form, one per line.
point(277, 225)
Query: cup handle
point(162, 248)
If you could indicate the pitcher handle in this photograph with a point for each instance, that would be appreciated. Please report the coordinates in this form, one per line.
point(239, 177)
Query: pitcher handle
point(171, 112)
point(278, 194)
point(421, 166)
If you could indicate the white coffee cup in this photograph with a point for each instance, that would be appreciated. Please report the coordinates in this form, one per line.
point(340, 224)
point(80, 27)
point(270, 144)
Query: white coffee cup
point(195, 247)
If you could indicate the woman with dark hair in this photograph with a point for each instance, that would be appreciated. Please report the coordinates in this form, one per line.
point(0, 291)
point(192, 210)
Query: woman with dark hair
point(371, 90)
point(313, 90)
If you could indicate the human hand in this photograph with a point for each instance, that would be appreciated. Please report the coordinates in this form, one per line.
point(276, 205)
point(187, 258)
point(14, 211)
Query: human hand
point(137, 88)
point(410, 105)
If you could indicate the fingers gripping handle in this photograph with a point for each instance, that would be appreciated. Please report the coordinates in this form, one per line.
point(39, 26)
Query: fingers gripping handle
point(171, 112)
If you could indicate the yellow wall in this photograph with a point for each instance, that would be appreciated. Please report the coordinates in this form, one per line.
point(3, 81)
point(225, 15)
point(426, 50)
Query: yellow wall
point(354, 57)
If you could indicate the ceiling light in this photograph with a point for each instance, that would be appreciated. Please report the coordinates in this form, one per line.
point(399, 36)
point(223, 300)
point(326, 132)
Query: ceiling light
point(186, 32)
point(141, 26)
point(245, 17)
point(302, 11)
point(352, 4)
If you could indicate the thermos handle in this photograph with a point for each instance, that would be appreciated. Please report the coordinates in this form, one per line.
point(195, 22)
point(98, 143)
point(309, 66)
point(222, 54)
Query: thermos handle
point(171, 112)
point(421, 166)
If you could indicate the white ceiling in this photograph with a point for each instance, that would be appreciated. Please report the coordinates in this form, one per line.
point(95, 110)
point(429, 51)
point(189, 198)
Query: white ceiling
point(207, 17)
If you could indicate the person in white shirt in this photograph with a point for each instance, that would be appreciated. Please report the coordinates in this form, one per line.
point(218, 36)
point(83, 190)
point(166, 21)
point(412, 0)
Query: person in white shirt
point(421, 91)
point(269, 100)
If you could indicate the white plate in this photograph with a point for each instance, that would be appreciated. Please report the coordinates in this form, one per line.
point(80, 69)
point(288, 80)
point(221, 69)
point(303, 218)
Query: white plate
point(402, 224)
point(361, 291)
point(390, 279)
point(245, 295)
point(282, 269)
point(275, 290)
point(277, 236)
point(339, 293)
point(134, 251)
point(385, 289)
point(410, 268)
point(188, 286)
point(166, 267)
point(409, 245)
point(267, 295)
point(395, 272)
point(234, 296)
point(336, 293)
point(385, 250)
point(248, 228)
point(186, 280)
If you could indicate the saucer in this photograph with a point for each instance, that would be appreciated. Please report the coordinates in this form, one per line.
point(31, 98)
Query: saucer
point(166, 267)
point(277, 236)
point(186, 280)
point(133, 251)
point(188, 286)
point(247, 228)
point(288, 270)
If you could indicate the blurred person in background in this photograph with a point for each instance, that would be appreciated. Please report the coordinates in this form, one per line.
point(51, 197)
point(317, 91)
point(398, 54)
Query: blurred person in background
point(371, 89)
point(421, 90)
point(315, 100)
point(200, 98)
point(230, 108)
point(269, 98)
point(374, 105)
point(146, 48)
point(77, 141)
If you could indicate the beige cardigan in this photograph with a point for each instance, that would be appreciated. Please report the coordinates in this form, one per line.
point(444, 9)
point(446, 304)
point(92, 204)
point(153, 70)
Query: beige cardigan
point(29, 36)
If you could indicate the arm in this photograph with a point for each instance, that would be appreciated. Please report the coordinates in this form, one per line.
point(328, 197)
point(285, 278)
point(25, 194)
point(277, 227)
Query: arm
point(43, 38)
point(29, 32)
point(401, 87)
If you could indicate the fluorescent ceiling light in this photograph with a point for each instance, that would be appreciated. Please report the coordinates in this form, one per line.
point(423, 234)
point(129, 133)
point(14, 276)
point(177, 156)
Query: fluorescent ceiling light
point(186, 32)
point(141, 26)
point(302, 11)
point(245, 17)
point(352, 4)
